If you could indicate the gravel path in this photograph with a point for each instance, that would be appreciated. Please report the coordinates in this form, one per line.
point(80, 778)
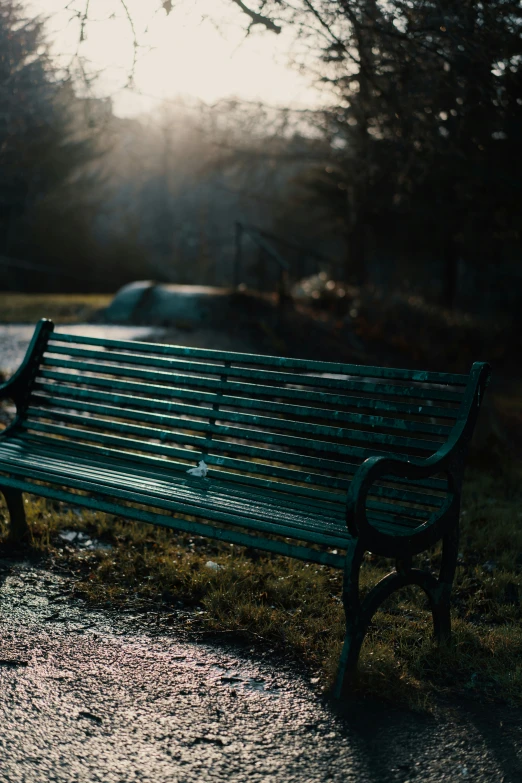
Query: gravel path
point(86, 696)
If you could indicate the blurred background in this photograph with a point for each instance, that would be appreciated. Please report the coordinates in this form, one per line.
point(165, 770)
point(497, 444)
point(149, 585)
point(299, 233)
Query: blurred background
point(351, 167)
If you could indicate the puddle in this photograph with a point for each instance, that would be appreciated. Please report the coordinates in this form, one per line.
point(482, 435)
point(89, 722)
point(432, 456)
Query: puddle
point(237, 679)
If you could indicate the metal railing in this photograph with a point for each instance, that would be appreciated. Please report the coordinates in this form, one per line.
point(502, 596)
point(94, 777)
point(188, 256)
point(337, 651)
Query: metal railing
point(267, 244)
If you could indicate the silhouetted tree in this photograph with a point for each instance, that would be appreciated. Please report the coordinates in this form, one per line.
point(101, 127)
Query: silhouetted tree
point(45, 150)
point(427, 128)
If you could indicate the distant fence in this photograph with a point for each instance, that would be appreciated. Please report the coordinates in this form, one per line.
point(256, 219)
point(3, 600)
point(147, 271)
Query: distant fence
point(268, 245)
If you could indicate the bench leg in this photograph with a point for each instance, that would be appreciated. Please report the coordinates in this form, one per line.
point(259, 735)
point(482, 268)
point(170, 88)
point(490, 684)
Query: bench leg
point(18, 529)
point(355, 629)
point(359, 614)
point(440, 598)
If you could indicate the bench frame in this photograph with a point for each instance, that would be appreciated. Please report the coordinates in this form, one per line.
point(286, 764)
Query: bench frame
point(443, 524)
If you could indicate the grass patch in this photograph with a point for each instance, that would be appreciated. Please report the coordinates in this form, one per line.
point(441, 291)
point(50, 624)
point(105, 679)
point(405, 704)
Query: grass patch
point(295, 607)
point(60, 308)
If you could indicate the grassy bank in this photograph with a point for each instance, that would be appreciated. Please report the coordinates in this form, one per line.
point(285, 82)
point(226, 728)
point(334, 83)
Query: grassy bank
point(295, 608)
point(60, 308)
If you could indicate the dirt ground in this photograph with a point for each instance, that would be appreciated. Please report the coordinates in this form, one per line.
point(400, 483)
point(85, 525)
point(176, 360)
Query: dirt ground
point(98, 696)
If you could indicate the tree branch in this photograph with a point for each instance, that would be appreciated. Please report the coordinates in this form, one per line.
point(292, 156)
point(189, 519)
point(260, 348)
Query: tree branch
point(258, 18)
point(324, 24)
point(85, 17)
point(135, 43)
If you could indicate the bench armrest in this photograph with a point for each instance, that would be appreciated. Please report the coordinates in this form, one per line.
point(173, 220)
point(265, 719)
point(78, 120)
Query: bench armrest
point(448, 459)
point(19, 383)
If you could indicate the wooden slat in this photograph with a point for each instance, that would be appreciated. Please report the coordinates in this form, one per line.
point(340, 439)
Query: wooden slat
point(255, 387)
point(222, 467)
point(148, 490)
point(214, 495)
point(128, 444)
point(390, 528)
point(268, 440)
point(279, 496)
point(304, 365)
point(279, 502)
point(264, 430)
point(336, 401)
point(49, 447)
point(55, 395)
point(284, 525)
point(195, 528)
point(262, 376)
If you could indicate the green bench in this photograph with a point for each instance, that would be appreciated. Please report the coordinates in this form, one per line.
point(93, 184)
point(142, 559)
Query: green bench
point(309, 459)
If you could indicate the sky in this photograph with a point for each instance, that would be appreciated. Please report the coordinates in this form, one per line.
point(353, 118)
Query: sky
point(199, 51)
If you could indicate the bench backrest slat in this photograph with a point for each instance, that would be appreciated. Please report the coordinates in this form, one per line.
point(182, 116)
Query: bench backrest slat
point(261, 375)
point(196, 445)
point(209, 378)
point(262, 429)
point(302, 365)
point(290, 419)
point(298, 427)
point(331, 402)
point(335, 474)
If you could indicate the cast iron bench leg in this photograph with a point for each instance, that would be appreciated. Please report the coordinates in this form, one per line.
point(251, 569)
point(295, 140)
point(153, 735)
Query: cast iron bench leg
point(359, 614)
point(355, 629)
point(441, 601)
point(18, 530)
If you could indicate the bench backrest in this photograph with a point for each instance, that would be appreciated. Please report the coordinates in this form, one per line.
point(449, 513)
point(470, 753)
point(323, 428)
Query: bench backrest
point(288, 424)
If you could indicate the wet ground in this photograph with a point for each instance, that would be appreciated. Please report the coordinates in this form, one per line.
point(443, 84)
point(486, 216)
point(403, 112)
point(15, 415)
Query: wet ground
point(93, 696)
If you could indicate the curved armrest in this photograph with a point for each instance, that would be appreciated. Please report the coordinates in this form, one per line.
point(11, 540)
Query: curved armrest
point(375, 468)
point(18, 383)
point(449, 459)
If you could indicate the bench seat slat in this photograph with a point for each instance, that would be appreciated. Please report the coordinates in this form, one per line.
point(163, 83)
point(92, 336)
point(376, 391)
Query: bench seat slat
point(240, 538)
point(48, 446)
point(71, 396)
point(264, 360)
point(390, 528)
point(200, 381)
point(286, 516)
point(129, 445)
point(334, 400)
point(198, 504)
point(265, 432)
point(162, 493)
point(280, 494)
point(399, 519)
point(279, 501)
point(45, 446)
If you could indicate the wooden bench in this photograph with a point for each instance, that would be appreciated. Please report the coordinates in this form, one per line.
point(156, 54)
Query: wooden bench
point(308, 459)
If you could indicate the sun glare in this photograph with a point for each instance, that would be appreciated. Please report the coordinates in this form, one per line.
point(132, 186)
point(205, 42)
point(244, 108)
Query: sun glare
point(200, 50)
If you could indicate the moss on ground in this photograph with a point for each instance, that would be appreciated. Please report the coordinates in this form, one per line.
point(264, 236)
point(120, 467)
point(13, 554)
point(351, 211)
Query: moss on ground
point(296, 608)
